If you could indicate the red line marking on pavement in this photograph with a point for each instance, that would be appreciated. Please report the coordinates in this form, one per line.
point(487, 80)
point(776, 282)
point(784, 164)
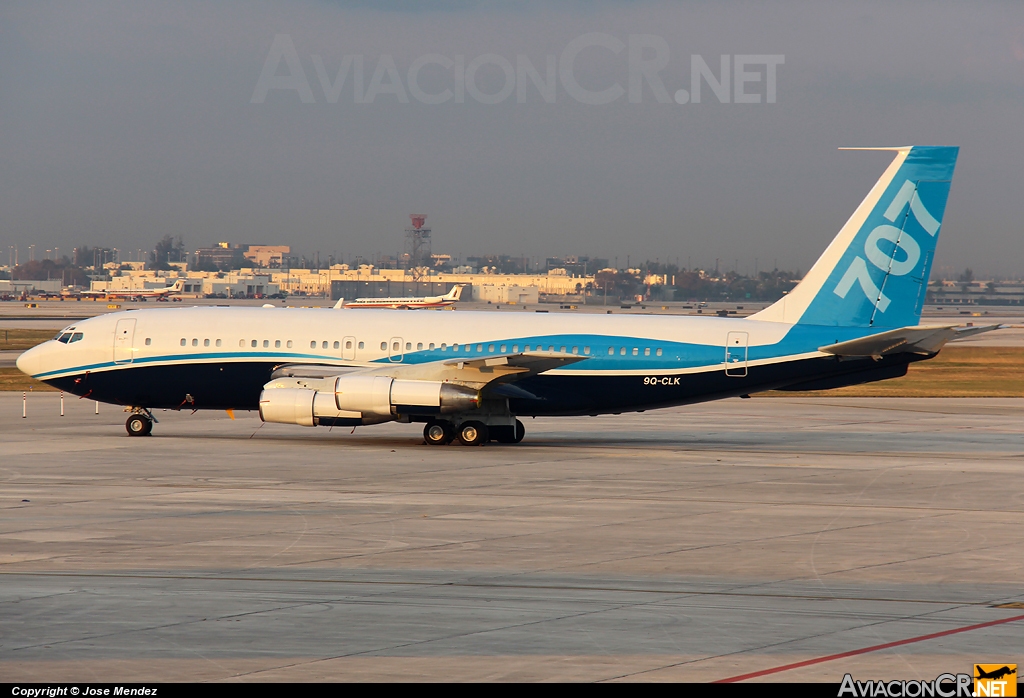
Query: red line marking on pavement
point(865, 650)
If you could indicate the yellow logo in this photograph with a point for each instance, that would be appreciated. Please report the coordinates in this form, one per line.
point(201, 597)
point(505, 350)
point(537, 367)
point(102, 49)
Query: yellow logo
point(995, 680)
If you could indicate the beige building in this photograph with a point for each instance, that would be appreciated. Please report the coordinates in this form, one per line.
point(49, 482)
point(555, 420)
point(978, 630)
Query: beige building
point(267, 255)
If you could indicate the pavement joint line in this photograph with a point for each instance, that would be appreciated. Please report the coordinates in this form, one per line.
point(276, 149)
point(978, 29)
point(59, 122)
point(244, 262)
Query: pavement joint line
point(452, 636)
point(498, 585)
point(748, 541)
point(772, 645)
point(865, 650)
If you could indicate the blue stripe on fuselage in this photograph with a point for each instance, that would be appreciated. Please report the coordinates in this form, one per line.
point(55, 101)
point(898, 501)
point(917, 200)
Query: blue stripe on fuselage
point(800, 339)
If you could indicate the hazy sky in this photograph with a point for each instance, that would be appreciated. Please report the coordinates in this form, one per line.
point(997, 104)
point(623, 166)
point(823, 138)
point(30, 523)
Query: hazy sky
point(121, 122)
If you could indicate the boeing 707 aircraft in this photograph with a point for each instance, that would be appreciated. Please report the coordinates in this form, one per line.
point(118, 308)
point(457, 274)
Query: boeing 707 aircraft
point(470, 375)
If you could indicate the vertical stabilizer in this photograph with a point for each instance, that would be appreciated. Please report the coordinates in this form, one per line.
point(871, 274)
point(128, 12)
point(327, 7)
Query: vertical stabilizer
point(875, 272)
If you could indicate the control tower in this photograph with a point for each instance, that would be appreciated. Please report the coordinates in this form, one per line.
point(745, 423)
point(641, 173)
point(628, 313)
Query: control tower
point(417, 243)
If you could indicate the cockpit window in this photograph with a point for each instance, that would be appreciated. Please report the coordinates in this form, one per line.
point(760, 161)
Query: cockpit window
point(65, 335)
point(77, 336)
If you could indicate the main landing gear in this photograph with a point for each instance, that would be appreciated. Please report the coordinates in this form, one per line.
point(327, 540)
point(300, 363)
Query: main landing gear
point(472, 433)
point(140, 423)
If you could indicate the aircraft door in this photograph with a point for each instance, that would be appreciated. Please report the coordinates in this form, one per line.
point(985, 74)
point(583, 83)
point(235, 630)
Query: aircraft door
point(348, 349)
point(124, 339)
point(736, 354)
point(395, 351)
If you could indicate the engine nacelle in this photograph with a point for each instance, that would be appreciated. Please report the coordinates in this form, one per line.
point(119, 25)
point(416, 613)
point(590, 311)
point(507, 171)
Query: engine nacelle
point(380, 395)
point(363, 400)
point(287, 406)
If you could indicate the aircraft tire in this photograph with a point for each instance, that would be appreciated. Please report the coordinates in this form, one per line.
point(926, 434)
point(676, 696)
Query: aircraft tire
point(438, 433)
point(139, 425)
point(508, 434)
point(473, 434)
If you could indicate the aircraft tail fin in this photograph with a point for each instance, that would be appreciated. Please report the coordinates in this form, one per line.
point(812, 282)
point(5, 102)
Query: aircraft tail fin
point(875, 271)
point(455, 294)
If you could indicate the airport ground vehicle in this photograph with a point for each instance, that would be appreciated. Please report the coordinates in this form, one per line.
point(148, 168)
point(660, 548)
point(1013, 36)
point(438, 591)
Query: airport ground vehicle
point(471, 375)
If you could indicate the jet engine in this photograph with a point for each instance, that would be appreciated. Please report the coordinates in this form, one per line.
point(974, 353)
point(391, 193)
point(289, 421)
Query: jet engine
point(357, 400)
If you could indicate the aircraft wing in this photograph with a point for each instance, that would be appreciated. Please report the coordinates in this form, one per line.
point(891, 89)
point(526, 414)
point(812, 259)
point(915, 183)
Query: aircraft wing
point(920, 339)
point(492, 375)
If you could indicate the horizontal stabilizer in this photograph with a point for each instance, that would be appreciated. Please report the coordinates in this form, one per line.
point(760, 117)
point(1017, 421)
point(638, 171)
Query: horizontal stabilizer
point(922, 339)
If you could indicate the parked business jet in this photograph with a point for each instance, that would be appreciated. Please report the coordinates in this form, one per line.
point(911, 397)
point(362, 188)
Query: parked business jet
point(468, 376)
point(409, 303)
point(172, 290)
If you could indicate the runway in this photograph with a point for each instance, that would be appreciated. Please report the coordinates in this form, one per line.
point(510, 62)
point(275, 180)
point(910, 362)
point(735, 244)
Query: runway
point(694, 544)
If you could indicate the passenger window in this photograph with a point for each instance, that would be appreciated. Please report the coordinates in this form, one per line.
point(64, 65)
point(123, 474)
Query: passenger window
point(515, 347)
point(659, 352)
point(253, 344)
point(395, 346)
point(480, 348)
point(562, 350)
point(149, 340)
point(490, 348)
point(575, 350)
point(503, 349)
point(312, 345)
point(337, 345)
point(526, 348)
point(455, 347)
point(324, 345)
point(182, 341)
point(289, 343)
point(277, 343)
point(408, 346)
point(241, 342)
point(622, 351)
point(444, 347)
point(586, 350)
point(611, 350)
point(266, 343)
point(195, 342)
point(348, 344)
point(218, 342)
point(383, 346)
point(551, 348)
point(361, 345)
point(431, 347)
point(206, 342)
point(635, 351)
point(419, 346)
point(647, 351)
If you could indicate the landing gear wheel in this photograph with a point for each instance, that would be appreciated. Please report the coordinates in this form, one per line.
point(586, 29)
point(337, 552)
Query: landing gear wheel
point(139, 425)
point(473, 434)
point(509, 434)
point(520, 432)
point(438, 433)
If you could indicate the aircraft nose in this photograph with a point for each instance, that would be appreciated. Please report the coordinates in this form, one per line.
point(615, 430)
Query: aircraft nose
point(30, 361)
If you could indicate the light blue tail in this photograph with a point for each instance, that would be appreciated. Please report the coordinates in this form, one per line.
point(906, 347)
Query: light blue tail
point(875, 272)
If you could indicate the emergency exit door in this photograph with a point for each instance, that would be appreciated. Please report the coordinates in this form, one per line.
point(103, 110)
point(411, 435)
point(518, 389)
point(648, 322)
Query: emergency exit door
point(736, 354)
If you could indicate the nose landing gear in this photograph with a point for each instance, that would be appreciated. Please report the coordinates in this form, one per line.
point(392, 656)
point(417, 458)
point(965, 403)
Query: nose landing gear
point(140, 423)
